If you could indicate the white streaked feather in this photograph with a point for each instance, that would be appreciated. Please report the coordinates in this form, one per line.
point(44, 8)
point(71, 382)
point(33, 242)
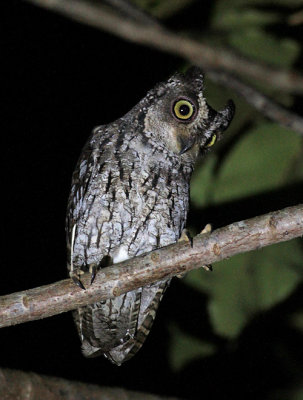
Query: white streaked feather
point(72, 248)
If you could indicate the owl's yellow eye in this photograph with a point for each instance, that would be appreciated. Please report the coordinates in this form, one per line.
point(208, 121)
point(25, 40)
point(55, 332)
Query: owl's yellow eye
point(183, 109)
point(212, 140)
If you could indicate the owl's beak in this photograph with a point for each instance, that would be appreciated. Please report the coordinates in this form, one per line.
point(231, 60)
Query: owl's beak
point(185, 145)
point(185, 148)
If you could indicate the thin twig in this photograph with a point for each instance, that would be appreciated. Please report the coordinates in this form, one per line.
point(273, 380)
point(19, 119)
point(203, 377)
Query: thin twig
point(296, 18)
point(16, 384)
point(197, 53)
point(259, 101)
point(164, 263)
point(132, 11)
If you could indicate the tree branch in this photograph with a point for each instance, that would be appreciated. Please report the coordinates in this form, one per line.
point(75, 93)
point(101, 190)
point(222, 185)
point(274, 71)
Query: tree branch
point(262, 103)
point(143, 29)
point(164, 263)
point(157, 36)
point(133, 12)
point(16, 384)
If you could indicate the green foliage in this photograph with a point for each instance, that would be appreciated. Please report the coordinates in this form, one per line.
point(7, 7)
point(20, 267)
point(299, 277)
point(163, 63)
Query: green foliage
point(235, 19)
point(264, 158)
point(257, 158)
point(185, 348)
point(249, 283)
point(261, 160)
point(257, 43)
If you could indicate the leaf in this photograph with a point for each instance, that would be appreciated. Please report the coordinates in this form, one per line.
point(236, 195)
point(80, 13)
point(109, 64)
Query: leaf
point(267, 157)
point(202, 181)
point(259, 162)
point(258, 44)
point(246, 284)
point(184, 348)
point(233, 19)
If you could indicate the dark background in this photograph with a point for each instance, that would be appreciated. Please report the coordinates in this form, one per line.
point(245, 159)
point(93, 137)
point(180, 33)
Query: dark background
point(59, 80)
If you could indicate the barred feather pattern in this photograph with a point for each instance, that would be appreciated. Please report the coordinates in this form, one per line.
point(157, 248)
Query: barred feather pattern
point(130, 195)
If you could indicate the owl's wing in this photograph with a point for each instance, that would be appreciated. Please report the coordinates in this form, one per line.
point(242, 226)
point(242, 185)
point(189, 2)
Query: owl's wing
point(150, 299)
point(84, 172)
point(107, 324)
point(81, 199)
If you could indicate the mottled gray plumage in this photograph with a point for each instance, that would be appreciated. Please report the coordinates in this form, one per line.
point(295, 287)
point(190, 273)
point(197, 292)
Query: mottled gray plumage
point(130, 195)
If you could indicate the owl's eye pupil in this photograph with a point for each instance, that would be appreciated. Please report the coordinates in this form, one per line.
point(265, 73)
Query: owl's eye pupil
point(183, 109)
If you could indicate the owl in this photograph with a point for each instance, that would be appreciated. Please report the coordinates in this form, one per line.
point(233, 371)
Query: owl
point(130, 195)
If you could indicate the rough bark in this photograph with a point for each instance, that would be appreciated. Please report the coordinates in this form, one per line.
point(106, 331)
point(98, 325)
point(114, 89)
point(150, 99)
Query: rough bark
point(176, 259)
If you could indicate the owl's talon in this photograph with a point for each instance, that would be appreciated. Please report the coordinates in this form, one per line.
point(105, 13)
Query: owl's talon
point(208, 267)
point(206, 229)
point(93, 271)
point(185, 237)
point(75, 276)
point(77, 281)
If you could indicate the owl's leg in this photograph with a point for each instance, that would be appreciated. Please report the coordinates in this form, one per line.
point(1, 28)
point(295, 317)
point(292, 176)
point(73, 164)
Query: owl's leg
point(75, 276)
point(205, 230)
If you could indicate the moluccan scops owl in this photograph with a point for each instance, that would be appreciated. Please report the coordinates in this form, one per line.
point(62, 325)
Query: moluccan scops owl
point(130, 195)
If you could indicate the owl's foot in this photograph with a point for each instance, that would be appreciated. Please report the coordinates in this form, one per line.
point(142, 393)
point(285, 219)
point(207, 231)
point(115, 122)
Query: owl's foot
point(205, 230)
point(185, 237)
point(93, 270)
point(75, 276)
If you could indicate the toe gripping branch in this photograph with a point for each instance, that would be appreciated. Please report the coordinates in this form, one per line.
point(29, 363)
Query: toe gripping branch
point(93, 269)
point(205, 230)
point(186, 237)
point(75, 276)
point(76, 279)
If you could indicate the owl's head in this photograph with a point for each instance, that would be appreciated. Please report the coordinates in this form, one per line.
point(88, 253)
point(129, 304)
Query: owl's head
point(179, 117)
